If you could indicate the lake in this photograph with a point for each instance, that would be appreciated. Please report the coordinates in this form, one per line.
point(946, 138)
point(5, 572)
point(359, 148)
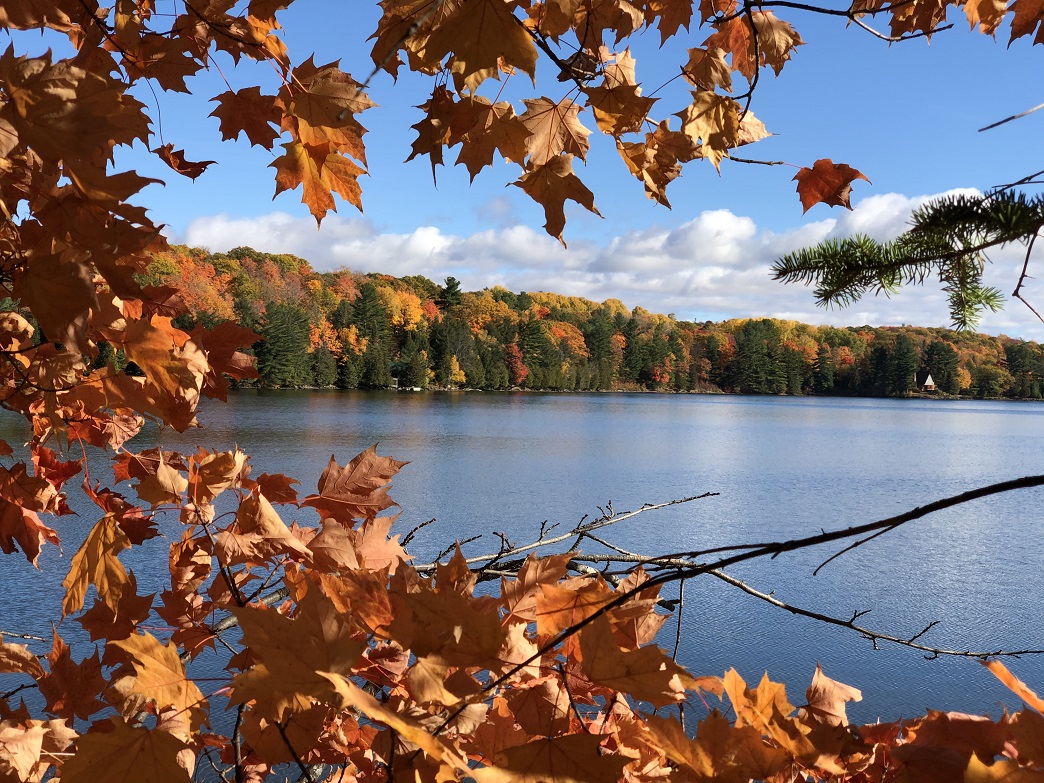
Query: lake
point(783, 468)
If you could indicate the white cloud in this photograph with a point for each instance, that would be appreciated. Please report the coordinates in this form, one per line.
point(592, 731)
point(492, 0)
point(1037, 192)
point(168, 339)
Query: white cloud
point(715, 266)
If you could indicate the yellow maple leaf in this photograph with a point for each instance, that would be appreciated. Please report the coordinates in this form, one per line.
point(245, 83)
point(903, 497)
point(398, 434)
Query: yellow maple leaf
point(124, 753)
point(96, 563)
point(159, 676)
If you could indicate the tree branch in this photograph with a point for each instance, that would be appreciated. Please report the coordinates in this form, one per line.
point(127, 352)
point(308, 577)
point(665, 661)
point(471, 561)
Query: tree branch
point(870, 635)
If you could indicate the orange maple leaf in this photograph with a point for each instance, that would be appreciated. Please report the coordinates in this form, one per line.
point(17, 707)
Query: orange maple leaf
point(827, 698)
point(554, 127)
point(551, 185)
point(96, 563)
point(113, 752)
point(359, 490)
point(827, 183)
point(647, 673)
point(248, 111)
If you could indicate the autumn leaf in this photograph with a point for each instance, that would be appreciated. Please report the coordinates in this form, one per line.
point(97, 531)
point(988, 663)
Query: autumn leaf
point(300, 166)
point(260, 533)
point(165, 484)
point(248, 111)
point(211, 473)
point(479, 34)
point(671, 15)
point(488, 128)
point(719, 751)
point(351, 695)
point(359, 490)
point(72, 689)
point(22, 529)
point(29, 748)
point(646, 673)
point(293, 652)
point(1014, 684)
point(827, 699)
point(988, 14)
point(519, 595)
point(159, 676)
point(560, 607)
point(461, 630)
point(1003, 771)
point(554, 128)
point(573, 758)
point(713, 120)
point(18, 658)
point(827, 183)
point(113, 752)
point(707, 69)
point(776, 39)
point(1028, 17)
point(96, 563)
point(176, 160)
point(433, 130)
point(551, 185)
point(102, 622)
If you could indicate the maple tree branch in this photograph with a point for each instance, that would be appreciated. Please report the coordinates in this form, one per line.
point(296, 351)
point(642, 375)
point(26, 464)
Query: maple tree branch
point(868, 634)
point(28, 636)
point(851, 15)
point(681, 612)
point(770, 550)
point(897, 38)
point(306, 770)
point(992, 125)
point(608, 518)
point(1017, 293)
point(19, 689)
point(763, 162)
point(237, 743)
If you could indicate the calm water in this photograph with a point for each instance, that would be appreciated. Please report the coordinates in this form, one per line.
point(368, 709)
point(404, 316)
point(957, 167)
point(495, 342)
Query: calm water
point(784, 467)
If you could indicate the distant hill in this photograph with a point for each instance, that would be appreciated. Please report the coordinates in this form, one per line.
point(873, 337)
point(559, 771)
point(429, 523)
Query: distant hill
point(354, 330)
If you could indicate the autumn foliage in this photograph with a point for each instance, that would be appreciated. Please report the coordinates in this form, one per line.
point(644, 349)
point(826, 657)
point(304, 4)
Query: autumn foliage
point(344, 658)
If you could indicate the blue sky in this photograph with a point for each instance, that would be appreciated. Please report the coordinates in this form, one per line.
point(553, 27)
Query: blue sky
point(905, 114)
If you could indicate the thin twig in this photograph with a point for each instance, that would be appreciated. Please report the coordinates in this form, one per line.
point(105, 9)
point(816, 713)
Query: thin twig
point(873, 636)
point(594, 525)
point(992, 125)
point(1017, 293)
point(306, 770)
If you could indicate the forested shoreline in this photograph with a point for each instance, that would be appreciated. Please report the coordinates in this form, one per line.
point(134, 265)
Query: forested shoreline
point(350, 330)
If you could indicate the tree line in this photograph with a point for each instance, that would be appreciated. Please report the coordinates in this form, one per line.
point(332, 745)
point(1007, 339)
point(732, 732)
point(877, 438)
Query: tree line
point(350, 330)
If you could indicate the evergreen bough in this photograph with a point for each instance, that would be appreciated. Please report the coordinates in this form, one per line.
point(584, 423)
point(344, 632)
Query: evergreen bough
point(949, 238)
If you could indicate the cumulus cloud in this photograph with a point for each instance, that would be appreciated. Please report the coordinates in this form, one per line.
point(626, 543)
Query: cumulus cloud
point(712, 267)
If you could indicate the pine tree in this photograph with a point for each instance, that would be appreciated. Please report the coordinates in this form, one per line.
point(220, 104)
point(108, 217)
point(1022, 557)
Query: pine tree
point(282, 356)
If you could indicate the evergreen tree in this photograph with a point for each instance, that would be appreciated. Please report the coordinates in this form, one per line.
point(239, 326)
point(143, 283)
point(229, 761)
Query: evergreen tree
point(449, 294)
point(941, 360)
point(324, 368)
point(823, 370)
point(376, 367)
point(903, 366)
point(758, 364)
point(282, 355)
point(349, 371)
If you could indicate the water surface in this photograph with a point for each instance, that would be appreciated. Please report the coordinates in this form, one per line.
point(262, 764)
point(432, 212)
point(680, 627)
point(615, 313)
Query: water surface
point(783, 467)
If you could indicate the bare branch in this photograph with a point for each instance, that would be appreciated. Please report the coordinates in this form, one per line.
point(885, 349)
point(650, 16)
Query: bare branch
point(866, 633)
point(1038, 107)
point(1017, 293)
point(609, 517)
